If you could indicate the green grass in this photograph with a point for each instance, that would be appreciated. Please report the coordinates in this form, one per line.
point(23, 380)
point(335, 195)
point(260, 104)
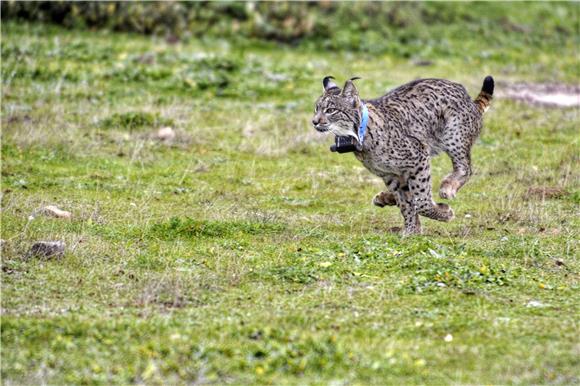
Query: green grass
point(244, 251)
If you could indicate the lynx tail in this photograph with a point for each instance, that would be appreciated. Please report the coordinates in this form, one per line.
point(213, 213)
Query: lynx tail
point(484, 98)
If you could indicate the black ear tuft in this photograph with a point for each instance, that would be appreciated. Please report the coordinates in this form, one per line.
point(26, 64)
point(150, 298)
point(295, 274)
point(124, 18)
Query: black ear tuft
point(349, 89)
point(326, 80)
point(329, 85)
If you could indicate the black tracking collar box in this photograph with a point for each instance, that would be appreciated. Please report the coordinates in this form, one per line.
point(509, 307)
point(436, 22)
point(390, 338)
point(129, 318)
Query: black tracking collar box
point(345, 145)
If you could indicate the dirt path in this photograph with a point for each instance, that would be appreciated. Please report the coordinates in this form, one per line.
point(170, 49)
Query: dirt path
point(554, 95)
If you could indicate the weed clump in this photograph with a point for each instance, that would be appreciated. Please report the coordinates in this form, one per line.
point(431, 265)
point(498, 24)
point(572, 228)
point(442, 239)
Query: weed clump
point(458, 275)
point(134, 120)
point(276, 350)
point(212, 73)
point(190, 228)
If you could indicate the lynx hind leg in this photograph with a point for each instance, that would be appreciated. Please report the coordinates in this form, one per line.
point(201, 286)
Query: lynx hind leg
point(385, 198)
point(420, 187)
point(461, 160)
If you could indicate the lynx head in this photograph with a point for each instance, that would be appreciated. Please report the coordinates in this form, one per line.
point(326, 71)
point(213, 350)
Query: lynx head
point(338, 111)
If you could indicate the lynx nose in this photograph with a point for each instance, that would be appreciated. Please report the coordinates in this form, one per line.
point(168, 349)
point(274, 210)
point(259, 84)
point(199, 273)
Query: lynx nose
point(315, 121)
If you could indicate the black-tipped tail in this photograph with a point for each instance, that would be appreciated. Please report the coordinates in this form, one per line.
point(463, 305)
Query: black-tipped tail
point(488, 85)
point(484, 98)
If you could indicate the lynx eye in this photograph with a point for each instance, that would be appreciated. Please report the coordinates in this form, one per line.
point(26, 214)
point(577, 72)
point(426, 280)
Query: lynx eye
point(331, 111)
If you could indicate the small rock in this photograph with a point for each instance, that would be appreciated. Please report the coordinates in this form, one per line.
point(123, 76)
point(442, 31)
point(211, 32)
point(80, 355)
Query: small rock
point(172, 39)
point(166, 134)
point(47, 249)
point(535, 304)
point(201, 169)
point(468, 215)
point(256, 335)
point(54, 211)
point(448, 338)
point(423, 63)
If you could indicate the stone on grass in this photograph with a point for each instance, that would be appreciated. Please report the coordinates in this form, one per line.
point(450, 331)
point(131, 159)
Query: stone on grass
point(535, 304)
point(166, 134)
point(54, 211)
point(47, 249)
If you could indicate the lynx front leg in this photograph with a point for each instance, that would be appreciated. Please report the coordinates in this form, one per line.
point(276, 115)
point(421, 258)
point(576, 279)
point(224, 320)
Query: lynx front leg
point(420, 186)
point(406, 204)
point(398, 194)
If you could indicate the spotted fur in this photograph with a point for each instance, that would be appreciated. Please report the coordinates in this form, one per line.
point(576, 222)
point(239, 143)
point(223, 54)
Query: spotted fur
point(406, 127)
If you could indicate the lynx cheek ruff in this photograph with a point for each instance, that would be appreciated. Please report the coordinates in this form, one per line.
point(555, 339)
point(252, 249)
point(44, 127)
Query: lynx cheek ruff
point(349, 144)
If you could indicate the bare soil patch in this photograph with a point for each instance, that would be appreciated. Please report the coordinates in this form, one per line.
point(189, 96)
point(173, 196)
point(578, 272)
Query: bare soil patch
point(545, 192)
point(551, 95)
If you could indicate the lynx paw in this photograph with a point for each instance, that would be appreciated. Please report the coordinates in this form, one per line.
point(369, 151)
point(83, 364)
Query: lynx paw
point(383, 199)
point(448, 189)
point(446, 213)
point(411, 231)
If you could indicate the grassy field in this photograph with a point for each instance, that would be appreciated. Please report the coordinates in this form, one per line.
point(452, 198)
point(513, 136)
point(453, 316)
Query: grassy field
point(243, 251)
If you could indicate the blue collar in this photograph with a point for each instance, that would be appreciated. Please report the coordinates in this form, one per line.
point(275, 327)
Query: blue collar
point(363, 124)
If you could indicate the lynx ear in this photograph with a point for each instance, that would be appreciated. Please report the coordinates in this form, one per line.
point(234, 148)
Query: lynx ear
point(349, 89)
point(328, 84)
